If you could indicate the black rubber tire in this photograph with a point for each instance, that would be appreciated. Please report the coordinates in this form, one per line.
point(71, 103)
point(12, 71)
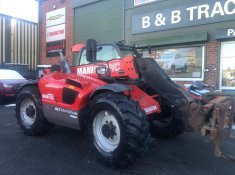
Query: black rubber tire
point(172, 130)
point(167, 125)
point(2, 100)
point(134, 129)
point(40, 126)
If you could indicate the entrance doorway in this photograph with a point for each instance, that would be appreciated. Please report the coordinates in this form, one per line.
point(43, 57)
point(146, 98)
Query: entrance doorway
point(227, 62)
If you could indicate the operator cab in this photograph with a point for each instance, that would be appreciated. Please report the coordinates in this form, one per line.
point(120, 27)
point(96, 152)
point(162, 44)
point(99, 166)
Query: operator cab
point(104, 52)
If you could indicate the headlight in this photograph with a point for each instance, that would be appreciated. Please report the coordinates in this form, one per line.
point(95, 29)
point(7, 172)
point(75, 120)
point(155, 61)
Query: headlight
point(102, 71)
point(7, 85)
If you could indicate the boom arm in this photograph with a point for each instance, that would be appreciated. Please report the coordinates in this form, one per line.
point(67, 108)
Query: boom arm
point(64, 64)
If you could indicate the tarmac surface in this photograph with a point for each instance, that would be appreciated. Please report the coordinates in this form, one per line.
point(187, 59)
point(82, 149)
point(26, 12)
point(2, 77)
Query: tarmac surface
point(65, 152)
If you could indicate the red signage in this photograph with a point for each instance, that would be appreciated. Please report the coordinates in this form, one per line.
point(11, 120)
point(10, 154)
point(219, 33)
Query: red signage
point(55, 33)
point(53, 48)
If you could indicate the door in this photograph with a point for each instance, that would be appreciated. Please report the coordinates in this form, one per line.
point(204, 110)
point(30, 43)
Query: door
point(227, 66)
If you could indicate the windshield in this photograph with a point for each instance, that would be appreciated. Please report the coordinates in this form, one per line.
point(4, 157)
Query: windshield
point(104, 53)
point(9, 74)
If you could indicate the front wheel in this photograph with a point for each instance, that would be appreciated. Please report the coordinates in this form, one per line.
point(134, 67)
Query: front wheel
point(118, 129)
point(29, 112)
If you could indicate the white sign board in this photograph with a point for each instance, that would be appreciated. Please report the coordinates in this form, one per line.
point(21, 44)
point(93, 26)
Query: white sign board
point(200, 12)
point(55, 17)
point(55, 33)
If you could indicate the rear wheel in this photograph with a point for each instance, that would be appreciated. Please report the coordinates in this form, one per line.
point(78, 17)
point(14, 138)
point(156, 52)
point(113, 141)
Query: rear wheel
point(118, 130)
point(167, 125)
point(29, 112)
point(173, 129)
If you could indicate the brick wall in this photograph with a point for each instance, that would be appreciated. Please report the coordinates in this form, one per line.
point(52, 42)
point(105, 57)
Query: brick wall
point(212, 63)
point(48, 6)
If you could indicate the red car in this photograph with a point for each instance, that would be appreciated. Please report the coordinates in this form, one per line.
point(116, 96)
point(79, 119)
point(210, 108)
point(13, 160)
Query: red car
point(10, 81)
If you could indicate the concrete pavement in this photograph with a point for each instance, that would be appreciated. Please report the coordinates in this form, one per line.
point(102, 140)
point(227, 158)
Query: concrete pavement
point(65, 152)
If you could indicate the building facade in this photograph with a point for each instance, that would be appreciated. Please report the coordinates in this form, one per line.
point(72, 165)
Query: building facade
point(18, 41)
point(191, 40)
point(56, 30)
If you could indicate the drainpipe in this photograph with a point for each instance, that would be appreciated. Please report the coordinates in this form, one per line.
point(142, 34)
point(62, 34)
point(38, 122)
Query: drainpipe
point(38, 33)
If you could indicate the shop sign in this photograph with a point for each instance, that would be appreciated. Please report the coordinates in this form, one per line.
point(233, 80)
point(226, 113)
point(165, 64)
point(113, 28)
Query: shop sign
point(225, 34)
point(53, 48)
point(139, 2)
point(55, 17)
point(55, 33)
point(197, 13)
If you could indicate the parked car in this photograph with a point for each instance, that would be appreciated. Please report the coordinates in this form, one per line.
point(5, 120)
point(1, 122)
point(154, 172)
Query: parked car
point(22, 69)
point(172, 62)
point(10, 81)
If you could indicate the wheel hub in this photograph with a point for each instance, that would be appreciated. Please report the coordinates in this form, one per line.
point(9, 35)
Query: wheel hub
point(109, 130)
point(30, 111)
point(106, 131)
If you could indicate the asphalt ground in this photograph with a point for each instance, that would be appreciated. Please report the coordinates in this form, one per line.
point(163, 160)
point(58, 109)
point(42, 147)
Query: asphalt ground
point(65, 152)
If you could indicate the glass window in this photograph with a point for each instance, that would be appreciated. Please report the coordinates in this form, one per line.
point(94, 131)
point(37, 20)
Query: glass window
point(104, 53)
point(181, 64)
point(139, 2)
point(83, 58)
point(228, 65)
point(9, 74)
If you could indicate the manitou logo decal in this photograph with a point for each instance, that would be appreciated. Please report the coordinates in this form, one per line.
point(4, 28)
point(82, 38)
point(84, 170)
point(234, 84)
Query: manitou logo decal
point(114, 67)
point(48, 96)
point(150, 109)
point(86, 70)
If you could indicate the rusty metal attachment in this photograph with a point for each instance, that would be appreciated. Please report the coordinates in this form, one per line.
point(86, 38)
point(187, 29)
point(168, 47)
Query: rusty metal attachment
point(212, 118)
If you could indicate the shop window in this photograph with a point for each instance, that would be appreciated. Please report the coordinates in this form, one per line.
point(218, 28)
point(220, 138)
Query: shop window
point(181, 64)
point(139, 2)
point(228, 65)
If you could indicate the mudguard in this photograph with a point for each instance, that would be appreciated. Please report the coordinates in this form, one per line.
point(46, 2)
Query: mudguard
point(28, 83)
point(115, 87)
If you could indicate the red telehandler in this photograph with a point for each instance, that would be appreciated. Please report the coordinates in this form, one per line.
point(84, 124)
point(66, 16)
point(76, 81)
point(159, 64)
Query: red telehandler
point(119, 97)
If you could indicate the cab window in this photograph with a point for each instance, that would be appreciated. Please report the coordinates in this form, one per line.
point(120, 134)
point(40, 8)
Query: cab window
point(104, 53)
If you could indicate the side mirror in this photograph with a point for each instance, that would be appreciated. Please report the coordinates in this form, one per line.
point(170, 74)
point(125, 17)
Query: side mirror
point(91, 50)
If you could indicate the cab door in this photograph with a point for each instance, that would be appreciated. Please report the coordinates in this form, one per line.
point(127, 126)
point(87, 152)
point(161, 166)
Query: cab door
point(105, 53)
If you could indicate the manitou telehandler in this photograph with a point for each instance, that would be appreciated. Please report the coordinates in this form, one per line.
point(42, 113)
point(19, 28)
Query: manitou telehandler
point(119, 97)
